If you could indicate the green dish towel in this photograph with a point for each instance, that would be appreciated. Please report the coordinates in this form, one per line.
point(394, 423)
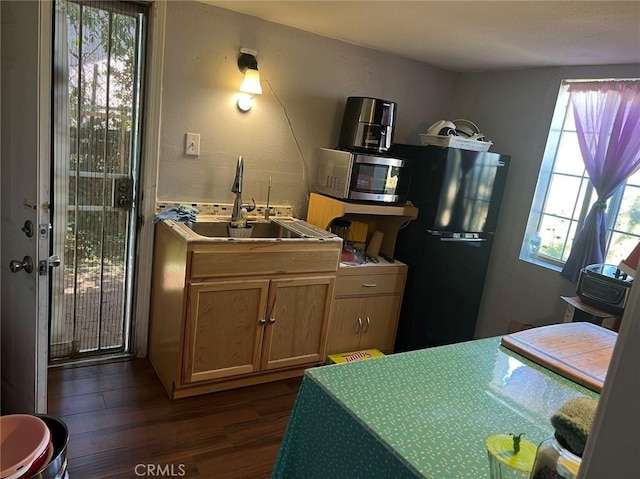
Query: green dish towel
point(573, 421)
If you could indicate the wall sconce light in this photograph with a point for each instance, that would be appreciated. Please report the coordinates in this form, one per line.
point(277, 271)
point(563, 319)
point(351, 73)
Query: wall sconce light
point(248, 65)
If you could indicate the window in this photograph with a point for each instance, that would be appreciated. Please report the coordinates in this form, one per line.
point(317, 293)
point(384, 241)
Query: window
point(564, 196)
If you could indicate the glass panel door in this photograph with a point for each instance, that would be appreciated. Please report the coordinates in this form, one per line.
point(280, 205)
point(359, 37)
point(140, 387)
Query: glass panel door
point(97, 77)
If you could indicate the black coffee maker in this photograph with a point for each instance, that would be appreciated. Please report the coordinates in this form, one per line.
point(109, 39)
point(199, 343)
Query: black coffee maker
point(367, 125)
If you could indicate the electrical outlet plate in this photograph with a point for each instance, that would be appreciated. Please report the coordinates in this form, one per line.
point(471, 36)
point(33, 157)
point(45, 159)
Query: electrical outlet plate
point(192, 144)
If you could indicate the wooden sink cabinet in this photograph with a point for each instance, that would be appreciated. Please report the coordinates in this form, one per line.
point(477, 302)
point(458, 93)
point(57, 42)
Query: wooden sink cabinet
point(230, 314)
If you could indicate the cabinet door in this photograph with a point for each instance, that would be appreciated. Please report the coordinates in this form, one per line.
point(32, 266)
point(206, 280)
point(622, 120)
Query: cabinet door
point(224, 333)
point(295, 333)
point(344, 328)
point(380, 321)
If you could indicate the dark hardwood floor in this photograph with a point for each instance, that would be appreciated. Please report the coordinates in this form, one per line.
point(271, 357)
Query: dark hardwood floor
point(123, 425)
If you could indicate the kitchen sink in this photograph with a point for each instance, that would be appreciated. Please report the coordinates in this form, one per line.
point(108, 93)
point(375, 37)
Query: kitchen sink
point(260, 229)
point(273, 229)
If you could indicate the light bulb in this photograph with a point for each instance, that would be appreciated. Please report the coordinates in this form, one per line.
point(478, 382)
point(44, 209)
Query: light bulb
point(245, 102)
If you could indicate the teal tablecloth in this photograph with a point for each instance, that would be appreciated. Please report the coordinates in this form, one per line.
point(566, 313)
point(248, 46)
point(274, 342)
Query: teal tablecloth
point(419, 414)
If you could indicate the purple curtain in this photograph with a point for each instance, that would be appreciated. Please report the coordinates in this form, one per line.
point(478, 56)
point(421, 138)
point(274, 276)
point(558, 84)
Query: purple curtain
point(607, 117)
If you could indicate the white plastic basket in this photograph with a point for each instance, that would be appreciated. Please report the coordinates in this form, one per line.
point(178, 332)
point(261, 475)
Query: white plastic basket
point(452, 141)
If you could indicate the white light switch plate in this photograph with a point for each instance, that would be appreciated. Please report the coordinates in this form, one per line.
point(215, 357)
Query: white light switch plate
point(192, 144)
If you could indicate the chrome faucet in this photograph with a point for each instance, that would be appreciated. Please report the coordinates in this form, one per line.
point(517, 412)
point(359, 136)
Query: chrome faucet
point(238, 216)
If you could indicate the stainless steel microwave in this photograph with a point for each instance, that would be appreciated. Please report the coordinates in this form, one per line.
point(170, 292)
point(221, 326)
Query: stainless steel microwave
point(361, 177)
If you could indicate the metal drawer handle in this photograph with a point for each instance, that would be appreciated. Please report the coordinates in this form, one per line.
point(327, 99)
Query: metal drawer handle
point(359, 326)
point(369, 285)
point(368, 325)
point(272, 320)
point(262, 321)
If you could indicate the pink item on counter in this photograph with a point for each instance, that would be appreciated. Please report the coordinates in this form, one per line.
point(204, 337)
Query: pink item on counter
point(630, 264)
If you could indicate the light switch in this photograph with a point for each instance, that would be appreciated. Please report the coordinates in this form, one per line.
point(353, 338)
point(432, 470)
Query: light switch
point(192, 144)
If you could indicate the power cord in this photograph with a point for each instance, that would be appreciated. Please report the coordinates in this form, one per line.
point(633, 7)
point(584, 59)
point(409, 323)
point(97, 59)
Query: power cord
point(295, 139)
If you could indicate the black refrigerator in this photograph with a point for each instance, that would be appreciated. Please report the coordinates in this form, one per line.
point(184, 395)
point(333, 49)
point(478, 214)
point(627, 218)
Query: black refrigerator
point(447, 248)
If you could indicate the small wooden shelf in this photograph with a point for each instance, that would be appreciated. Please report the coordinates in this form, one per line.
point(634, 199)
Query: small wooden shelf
point(577, 311)
point(387, 219)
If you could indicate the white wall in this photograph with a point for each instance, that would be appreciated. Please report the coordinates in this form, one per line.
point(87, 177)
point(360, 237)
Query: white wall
point(514, 110)
point(311, 75)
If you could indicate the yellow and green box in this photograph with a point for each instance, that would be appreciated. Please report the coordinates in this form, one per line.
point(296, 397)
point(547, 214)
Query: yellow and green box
point(353, 356)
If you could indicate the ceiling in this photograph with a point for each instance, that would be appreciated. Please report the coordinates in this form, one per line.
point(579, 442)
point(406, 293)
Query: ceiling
point(465, 36)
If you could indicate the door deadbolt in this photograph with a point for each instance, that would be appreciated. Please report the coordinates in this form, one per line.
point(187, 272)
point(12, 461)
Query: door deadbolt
point(27, 229)
point(26, 264)
point(123, 193)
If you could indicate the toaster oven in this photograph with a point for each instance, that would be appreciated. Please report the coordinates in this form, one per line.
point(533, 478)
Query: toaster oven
point(605, 287)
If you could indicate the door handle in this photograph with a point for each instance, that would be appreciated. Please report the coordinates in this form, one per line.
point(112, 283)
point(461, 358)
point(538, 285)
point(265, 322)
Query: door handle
point(124, 202)
point(53, 261)
point(464, 240)
point(26, 264)
point(359, 326)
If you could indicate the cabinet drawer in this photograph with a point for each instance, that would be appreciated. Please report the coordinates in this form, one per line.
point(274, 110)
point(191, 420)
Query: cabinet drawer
point(369, 284)
point(263, 259)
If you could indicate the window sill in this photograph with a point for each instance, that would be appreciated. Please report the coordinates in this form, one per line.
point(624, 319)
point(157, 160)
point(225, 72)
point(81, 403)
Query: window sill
point(542, 263)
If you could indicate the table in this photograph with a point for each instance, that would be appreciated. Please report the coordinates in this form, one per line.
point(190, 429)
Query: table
point(423, 414)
